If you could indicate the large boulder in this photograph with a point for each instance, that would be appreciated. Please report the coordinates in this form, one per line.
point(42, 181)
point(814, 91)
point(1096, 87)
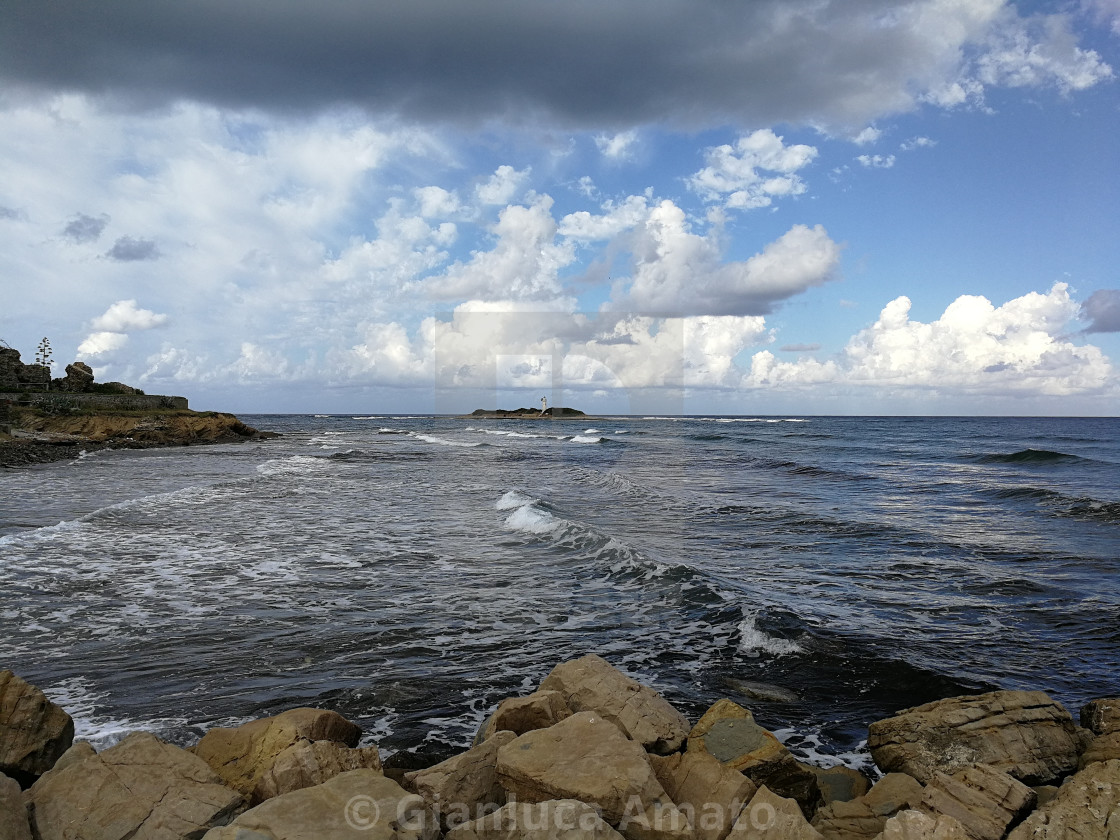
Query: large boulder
point(464, 786)
point(729, 732)
point(772, 817)
point(242, 755)
point(1101, 716)
point(140, 788)
point(914, 825)
point(1023, 733)
point(1101, 748)
point(13, 813)
point(557, 819)
point(357, 805)
point(309, 763)
point(79, 377)
point(34, 732)
point(985, 801)
point(839, 783)
point(591, 684)
point(705, 788)
point(865, 817)
point(519, 715)
point(1086, 806)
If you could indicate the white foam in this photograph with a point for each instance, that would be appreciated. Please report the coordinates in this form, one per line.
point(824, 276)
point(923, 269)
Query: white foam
point(591, 431)
point(297, 464)
point(533, 520)
point(445, 441)
point(514, 499)
point(587, 439)
point(754, 642)
point(102, 731)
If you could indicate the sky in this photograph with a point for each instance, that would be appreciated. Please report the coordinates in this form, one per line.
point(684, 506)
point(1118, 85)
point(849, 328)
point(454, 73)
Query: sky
point(634, 206)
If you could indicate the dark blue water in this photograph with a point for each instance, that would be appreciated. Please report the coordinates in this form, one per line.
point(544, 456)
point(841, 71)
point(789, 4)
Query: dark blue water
point(411, 572)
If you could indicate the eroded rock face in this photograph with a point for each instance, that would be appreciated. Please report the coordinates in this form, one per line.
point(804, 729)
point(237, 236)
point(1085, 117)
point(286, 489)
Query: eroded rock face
point(591, 684)
point(242, 755)
point(1102, 748)
point(13, 813)
point(1022, 733)
point(308, 763)
point(464, 786)
point(1101, 716)
point(706, 788)
point(772, 817)
point(140, 788)
point(79, 377)
point(985, 801)
point(557, 819)
point(519, 715)
point(356, 805)
point(34, 732)
point(1086, 807)
point(914, 825)
point(865, 817)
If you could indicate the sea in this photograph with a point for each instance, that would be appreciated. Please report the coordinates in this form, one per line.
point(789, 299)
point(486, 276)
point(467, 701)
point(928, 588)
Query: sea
point(412, 571)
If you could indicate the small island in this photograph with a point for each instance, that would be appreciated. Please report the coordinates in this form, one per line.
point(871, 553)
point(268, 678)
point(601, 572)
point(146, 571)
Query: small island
point(554, 413)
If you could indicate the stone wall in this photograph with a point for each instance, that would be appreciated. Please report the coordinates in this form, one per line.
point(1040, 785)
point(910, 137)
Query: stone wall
point(108, 402)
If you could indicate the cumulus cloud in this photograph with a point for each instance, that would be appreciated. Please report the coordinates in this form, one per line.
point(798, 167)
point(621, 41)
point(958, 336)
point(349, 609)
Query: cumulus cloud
point(1105, 11)
point(617, 217)
point(876, 161)
point(503, 186)
point(617, 147)
point(917, 143)
point(867, 135)
point(1039, 51)
point(128, 249)
point(100, 343)
point(83, 228)
point(436, 202)
point(751, 173)
point(125, 316)
point(1102, 311)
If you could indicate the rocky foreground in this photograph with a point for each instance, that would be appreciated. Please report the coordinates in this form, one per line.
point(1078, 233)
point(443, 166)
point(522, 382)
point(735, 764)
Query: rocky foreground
point(590, 755)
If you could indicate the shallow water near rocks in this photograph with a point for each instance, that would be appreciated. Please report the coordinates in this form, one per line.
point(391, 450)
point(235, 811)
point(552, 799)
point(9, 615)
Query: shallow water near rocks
point(411, 572)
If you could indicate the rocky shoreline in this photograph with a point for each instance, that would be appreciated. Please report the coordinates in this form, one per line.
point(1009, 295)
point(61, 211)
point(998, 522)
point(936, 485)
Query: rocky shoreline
point(590, 754)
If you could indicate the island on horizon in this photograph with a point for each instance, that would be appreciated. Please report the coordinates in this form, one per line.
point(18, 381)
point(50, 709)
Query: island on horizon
point(552, 413)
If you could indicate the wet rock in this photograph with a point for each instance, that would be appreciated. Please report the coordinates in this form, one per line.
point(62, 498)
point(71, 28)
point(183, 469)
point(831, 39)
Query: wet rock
point(557, 819)
point(728, 732)
point(1023, 733)
point(985, 801)
point(140, 788)
point(591, 684)
point(866, 816)
point(356, 805)
point(464, 786)
point(705, 788)
point(772, 817)
point(242, 755)
point(1102, 715)
point(13, 813)
point(308, 763)
point(839, 783)
point(34, 732)
point(915, 825)
point(1086, 807)
point(519, 715)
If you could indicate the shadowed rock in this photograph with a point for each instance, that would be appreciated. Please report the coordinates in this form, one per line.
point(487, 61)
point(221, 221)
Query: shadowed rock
point(34, 732)
point(1086, 806)
point(309, 763)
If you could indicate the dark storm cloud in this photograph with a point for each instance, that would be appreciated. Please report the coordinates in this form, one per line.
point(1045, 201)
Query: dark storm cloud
point(83, 228)
point(582, 62)
point(127, 249)
point(1102, 310)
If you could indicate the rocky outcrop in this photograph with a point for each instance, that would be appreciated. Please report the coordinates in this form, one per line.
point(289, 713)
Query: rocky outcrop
point(772, 817)
point(34, 732)
point(308, 763)
point(865, 817)
point(13, 813)
point(79, 377)
point(1086, 807)
point(985, 801)
point(357, 804)
point(706, 788)
point(242, 755)
point(464, 786)
point(557, 819)
point(519, 715)
point(591, 684)
point(139, 788)
point(914, 825)
point(15, 374)
point(728, 732)
point(1101, 716)
point(1023, 733)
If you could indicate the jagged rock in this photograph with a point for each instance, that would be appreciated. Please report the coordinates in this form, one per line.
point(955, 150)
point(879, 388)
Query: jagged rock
point(582, 757)
point(1102, 715)
point(140, 788)
point(79, 377)
point(1086, 807)
point(309, 763)
point(728, 732)
point(356, 805)
point(839, 783)
point(591, 684)
point(1023, 733)
point(712, 793)
point(772, 817)
point(465, 785)
point(557, 819)
point(243, 754)
point(985, 801)
point(519, 715)
point(915, 825)
point(865, 816)
point(34, 732)
point(13, 813)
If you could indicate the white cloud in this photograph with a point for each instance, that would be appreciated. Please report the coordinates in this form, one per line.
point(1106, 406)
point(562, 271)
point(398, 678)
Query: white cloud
point(617, 147)
point(917, 143)
point(1039, 51)
point(735, 174)
point(100, 343)
point(1106, 11)
point(618, 217)
point(124, 316)
point(503, 186)
point(436, 202)
point(876, 161)
point(868, 135)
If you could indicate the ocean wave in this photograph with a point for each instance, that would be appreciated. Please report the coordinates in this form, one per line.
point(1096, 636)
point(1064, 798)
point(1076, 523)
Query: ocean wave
point(1029, 456)
point(587, 439)
point(754, 642)
point(445, 442)
point(296, 464)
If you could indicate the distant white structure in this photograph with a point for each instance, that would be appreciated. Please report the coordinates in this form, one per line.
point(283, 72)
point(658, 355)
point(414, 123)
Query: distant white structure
point(544, 404)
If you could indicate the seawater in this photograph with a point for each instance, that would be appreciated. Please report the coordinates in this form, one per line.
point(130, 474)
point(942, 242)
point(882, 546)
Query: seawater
point(410, 572)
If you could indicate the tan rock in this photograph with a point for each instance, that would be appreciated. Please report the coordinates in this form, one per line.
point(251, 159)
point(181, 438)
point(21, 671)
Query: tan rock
point(13, 813)
point(356, 805)
point(1023, 733)
point(866, 816)
point(1102, 715)
point(1102, 748)
point(985, 801)
point(519, 715)
point(839, 783)
point(309, 763)
point(1086, 807)
point(141, 788)
point(464, 786)
point(728, 732)
point(241, 755)
point(34, 732)
point(591, 684)
point(772, 817)
point(704, 788)
point(583, 757)
point(557, 819)
point(915, 825)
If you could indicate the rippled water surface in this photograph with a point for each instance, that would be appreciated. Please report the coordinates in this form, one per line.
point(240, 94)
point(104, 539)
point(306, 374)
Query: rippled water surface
point(411, 572)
